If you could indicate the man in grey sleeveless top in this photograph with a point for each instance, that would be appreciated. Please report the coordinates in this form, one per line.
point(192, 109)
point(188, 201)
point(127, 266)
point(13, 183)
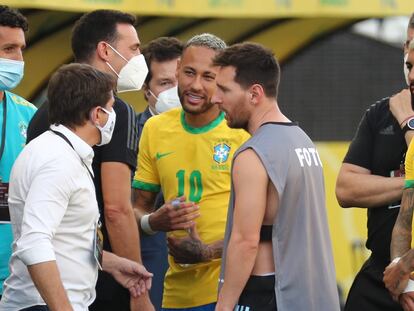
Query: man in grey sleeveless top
point(277, 252)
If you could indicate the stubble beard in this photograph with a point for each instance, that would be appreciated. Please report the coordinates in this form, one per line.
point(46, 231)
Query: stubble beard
point(206, 106)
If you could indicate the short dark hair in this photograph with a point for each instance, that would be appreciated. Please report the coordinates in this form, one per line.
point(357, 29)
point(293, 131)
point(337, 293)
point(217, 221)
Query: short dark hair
point(12, 18)
point(74, 90)
point(410, 26)
point(254, 64)
point(161, 50)
point(94, 27)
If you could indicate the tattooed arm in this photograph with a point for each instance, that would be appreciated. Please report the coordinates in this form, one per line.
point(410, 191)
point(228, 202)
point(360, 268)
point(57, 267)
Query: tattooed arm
point(191, 249)
point(401, 234)
point(396, 275)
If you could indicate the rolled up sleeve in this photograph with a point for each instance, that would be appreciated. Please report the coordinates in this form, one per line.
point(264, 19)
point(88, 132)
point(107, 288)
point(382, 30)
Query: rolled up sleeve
point(44, 208)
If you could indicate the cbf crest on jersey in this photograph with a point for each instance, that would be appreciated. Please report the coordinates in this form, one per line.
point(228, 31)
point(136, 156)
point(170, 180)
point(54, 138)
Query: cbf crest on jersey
point(23, 129)
point(221, 153)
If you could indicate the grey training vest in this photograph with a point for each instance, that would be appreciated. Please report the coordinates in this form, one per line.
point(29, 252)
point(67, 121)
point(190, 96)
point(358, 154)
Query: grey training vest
point(305, 272)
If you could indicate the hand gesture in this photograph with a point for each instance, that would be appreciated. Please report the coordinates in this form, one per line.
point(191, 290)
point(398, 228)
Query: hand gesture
point(128, 273)
point(407, 301)
point(396, 278)
point(174, 215)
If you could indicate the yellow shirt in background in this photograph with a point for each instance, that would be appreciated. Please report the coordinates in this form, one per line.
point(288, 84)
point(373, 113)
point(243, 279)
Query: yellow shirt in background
point(409, 167)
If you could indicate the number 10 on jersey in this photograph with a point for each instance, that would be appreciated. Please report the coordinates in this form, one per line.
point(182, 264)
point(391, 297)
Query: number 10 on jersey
point(196, 186)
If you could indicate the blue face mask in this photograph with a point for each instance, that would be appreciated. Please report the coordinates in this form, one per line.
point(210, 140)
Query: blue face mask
point(11, 73)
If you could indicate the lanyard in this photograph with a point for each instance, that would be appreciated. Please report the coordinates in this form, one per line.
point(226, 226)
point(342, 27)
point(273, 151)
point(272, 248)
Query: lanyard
point(70, 144)
point(3, 128)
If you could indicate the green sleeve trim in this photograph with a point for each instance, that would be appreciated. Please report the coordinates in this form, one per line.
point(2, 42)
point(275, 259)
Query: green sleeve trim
point(145, 186)
point(409, 184)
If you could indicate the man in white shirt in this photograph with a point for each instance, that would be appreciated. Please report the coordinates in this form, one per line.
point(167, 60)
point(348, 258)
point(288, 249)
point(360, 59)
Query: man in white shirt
point(53, 207)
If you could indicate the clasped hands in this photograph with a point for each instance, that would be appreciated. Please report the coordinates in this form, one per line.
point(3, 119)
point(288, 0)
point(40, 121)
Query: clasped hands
point(176, 214)
point(396, 277)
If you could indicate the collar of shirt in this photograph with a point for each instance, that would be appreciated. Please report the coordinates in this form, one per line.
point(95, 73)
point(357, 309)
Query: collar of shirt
point(84, 151)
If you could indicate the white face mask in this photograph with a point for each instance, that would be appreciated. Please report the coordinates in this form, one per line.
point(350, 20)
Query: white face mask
point(108, 129)
point(406, 72)
point(167, 100)
point(132, 75)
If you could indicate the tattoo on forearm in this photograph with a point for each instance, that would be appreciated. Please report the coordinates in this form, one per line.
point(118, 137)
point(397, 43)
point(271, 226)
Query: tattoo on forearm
point(217, 249)
point(195, 250)
point(215, 253)
point(147, 203)
point(401, 235)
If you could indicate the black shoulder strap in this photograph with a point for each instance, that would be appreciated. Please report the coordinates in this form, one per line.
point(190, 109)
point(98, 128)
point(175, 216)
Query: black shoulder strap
point(63, 137)
point(3, 128)
point(70, 144)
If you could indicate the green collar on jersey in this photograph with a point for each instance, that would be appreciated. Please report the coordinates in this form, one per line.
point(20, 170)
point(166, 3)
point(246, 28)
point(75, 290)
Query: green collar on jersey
point(203, 129)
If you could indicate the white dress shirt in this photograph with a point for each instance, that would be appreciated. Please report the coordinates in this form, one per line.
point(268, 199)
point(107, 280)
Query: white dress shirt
point(53, 212)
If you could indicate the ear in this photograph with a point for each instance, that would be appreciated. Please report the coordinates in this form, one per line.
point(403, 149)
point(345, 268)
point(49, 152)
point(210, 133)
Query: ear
point(94, 115)
point(102, 51)
point(256, 93)
point(147, 93)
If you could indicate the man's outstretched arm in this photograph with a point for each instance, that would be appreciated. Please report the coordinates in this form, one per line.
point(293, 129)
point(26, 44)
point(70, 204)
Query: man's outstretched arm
point(119, 216)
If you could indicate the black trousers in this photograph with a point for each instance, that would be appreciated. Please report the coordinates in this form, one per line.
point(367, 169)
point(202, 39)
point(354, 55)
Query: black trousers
point(258, 294)
point(368, 292)
point(110, 295)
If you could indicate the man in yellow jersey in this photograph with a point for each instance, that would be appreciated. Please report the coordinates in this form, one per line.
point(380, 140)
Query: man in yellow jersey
point(397, 274)
point(187, 153)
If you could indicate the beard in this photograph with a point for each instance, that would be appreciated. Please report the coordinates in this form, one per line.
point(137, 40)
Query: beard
point(238, 124)
point(197, 110)
point(240, 121)
point(194, 110)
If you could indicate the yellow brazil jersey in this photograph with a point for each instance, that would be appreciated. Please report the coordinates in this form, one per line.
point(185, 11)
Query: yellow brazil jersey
point(409, 173)
point(195, 162)
point(409, 167)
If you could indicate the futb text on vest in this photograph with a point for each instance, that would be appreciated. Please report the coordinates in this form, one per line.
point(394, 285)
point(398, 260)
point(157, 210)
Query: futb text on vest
point(308, 156)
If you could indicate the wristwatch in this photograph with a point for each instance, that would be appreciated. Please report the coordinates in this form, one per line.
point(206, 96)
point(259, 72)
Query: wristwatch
point(409, 126)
